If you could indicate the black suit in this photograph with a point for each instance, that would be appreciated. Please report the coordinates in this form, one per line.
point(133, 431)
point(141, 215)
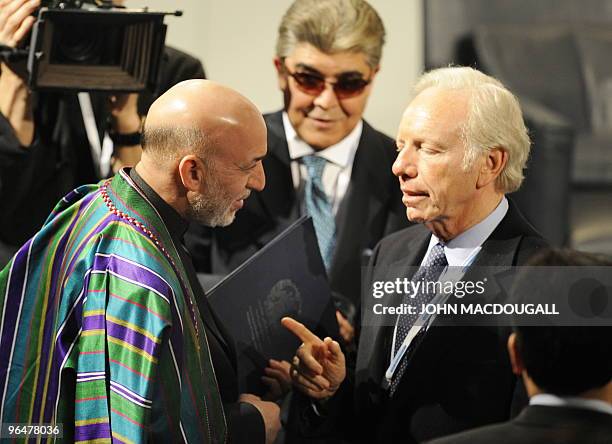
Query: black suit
point(370, 209)
point(457, 377)
point(244, 422)
point(542, 424)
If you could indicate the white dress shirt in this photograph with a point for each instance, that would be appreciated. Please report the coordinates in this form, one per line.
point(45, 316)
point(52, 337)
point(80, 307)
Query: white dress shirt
point(338, 168)
point(460, 253)
point(575, 402)
point(462, 250)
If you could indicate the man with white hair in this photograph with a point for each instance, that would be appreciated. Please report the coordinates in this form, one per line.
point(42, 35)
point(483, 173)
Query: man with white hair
point(462, 146)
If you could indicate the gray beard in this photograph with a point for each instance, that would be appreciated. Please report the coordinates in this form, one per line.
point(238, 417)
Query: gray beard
point(212, 212)
point(211, 208)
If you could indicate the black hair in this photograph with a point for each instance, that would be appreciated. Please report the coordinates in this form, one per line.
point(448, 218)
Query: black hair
point(567, 361)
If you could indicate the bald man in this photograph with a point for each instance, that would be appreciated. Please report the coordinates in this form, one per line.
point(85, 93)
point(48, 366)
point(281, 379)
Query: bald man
point(100, 325)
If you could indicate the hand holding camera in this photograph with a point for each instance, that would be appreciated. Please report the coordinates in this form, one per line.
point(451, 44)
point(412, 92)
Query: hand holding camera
point(16, 20)
point(15, 102)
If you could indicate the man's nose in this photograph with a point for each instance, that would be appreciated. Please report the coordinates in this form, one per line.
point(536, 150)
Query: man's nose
point(327, 99)
point(257, 181)
point(405, 165)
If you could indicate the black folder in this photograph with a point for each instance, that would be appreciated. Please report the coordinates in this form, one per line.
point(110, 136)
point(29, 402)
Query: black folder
point(285, 278)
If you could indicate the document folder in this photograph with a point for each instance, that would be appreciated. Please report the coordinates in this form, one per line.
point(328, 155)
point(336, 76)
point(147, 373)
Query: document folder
point(285, 278)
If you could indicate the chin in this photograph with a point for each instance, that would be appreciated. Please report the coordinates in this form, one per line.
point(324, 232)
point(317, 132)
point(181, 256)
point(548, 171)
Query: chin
point(318, 142)
point(424, 215)
point(227, 219)
point(321, 139)
point(415, 216)
point(218, 220)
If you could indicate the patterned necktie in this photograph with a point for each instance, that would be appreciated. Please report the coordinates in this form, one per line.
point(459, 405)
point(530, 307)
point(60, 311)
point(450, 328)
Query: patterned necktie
point(319, 208)
point(430, 271)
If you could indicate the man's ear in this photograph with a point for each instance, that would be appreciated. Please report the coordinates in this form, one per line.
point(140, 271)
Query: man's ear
point(191, 172)
point(494, 163)
point(280, 73)
point(515, 355)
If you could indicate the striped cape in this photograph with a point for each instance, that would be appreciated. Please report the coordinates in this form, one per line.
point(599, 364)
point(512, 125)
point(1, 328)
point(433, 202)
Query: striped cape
point(97, 329)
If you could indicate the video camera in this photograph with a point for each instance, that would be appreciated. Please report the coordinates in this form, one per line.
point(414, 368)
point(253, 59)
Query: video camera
point(79, 46)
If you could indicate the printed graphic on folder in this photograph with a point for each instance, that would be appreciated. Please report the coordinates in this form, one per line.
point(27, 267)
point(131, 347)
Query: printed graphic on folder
point(285, 278)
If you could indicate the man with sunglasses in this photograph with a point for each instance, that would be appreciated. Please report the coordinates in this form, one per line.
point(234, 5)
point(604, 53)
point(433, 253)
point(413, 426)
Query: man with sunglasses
point(324, 159)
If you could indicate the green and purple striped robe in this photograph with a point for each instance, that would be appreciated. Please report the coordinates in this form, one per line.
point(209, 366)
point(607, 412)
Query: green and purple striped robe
point(97, 332)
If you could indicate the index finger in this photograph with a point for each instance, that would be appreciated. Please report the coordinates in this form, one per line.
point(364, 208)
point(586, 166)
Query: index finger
point(300, 330)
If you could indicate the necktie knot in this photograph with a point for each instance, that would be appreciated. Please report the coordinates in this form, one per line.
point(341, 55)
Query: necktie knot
point(315, 166)
point(436, 257)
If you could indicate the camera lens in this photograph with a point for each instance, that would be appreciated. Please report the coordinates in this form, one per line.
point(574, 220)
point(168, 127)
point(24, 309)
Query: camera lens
point(79, 45)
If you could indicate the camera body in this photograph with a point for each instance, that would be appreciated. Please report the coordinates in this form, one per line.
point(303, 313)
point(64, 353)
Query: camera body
point(80, 47)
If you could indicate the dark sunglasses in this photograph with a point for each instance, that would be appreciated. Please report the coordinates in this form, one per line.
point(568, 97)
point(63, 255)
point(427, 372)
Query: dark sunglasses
point(347, 85)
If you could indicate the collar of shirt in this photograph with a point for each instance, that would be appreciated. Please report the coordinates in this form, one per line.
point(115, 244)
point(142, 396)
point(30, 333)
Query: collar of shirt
point(341, 154)
point(548, 399)
point(462, 250)
point(177, 226)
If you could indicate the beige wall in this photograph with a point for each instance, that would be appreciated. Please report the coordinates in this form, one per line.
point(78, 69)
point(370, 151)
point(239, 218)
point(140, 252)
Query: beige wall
point(235, 40)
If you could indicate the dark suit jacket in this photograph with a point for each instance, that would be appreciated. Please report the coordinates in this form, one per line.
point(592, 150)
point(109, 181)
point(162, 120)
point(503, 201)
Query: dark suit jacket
point(542, 424)
point(457, 377)
point(371, 209)
point(244, 422)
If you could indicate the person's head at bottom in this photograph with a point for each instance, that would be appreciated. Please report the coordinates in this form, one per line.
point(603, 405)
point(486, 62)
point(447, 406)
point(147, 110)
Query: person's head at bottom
point(565, 361)
point(202, 149)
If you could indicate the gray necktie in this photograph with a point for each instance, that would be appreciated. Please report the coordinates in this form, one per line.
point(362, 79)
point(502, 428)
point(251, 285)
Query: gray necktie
point(428, 272)
point(319, 208)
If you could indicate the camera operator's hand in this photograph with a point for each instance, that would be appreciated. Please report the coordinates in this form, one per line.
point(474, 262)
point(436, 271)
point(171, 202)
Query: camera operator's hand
point(16, 20)
point(15, 100)
point(124, 110)
point(125, 120)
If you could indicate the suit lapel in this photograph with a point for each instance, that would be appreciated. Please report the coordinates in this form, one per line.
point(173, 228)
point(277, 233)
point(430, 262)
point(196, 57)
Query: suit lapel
point(374, 347)
point(215, 326)
point(278, 197)
point(500, 249)
point(498, 252)
point(416, 249)
point(366, 197)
